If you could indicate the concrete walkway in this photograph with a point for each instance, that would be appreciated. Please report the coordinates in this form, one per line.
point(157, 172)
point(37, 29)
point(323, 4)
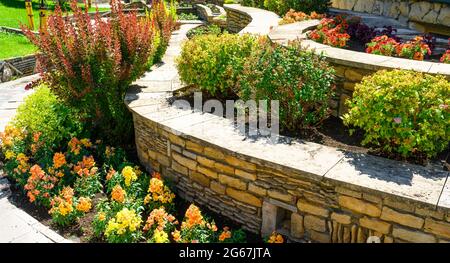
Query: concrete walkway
point(16, 225)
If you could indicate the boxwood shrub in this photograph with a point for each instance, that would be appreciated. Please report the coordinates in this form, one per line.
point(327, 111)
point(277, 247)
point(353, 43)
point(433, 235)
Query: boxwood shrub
point(402, 112)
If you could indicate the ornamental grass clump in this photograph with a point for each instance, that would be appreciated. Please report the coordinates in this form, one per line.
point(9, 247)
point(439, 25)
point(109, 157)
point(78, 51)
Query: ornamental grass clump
point(89, 64)
point(402, 112)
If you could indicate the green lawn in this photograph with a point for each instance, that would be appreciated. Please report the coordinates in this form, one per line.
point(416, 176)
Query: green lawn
point(13, 13)
point(14, 45)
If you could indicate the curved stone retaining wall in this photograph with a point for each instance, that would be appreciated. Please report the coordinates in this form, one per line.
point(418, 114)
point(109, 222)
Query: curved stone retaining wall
point(206, 14)
point(422, 15)
point(304, 190)
point(242, 19)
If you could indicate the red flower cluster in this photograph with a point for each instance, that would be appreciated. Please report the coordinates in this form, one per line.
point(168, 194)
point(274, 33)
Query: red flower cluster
point(446, 57)
point(383, 45)
point(331, 31)
point(415, 49)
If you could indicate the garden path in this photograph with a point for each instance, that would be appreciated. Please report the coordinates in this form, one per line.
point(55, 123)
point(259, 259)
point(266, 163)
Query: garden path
point(16, 225)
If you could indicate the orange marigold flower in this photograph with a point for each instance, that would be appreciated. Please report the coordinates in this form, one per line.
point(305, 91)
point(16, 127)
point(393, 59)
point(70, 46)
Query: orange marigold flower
point(31, 197)
point(67, 193)
point(74, 145)
point(225, 235)
point(110, 174)
point(176, 235)
point(193, 217)
point(59, 160)
point(118, 194)
point(275, 238)
point(84, 204)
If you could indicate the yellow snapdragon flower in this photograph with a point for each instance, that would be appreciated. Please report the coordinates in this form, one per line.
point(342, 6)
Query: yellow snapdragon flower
point(129, 175)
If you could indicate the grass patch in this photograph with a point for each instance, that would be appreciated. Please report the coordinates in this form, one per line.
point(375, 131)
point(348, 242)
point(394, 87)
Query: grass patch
point(13, 13)
point(14, 45)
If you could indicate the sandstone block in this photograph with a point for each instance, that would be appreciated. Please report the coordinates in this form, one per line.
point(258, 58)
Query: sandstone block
point(439, 228)
point(245, 175)
point(412, 236)
point(388, 214)
point(297, 229)
point(375, 224)
point(213, 153)
point(217, 187)
point(207, 172)
point(306, 207)
point(257, 190)
point(187, 162)
point(280, 196)
point(233, 182)
point(177, 140)
point(200, 178)
point(314, 223)
point(205, 161)
point(359, 206)
point(244, 197)
point(341, 218)
point(240, 163)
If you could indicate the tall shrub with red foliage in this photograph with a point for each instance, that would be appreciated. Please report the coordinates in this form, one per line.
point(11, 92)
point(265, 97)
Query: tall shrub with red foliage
point(90, 63)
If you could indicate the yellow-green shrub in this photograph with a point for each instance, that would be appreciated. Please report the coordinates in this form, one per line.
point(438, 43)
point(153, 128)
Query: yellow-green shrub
point(402, 111)
point(213, 62)
point(42, 112)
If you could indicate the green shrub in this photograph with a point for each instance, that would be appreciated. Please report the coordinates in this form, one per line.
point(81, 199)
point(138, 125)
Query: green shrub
point(213, 62)
point(253, 3)
point(301, 81)
point(276, 6)
point(42, 112)
point(282, 6)
point(403, 112)
point(307, 6)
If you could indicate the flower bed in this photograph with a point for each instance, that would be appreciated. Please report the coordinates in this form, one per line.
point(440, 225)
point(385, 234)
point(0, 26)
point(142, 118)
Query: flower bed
point(339, 30)
point(80, 180)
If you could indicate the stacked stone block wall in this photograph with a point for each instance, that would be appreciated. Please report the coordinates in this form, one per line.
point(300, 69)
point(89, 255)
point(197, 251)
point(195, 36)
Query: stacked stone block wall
point(253, 192)
point(416, 13)
point(236, 20)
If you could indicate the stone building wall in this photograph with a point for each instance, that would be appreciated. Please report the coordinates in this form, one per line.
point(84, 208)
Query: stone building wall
point(415, 12)
point(264, 197)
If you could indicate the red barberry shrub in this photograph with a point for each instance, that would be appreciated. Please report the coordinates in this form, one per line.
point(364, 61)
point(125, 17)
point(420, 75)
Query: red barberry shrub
point(90, 63)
